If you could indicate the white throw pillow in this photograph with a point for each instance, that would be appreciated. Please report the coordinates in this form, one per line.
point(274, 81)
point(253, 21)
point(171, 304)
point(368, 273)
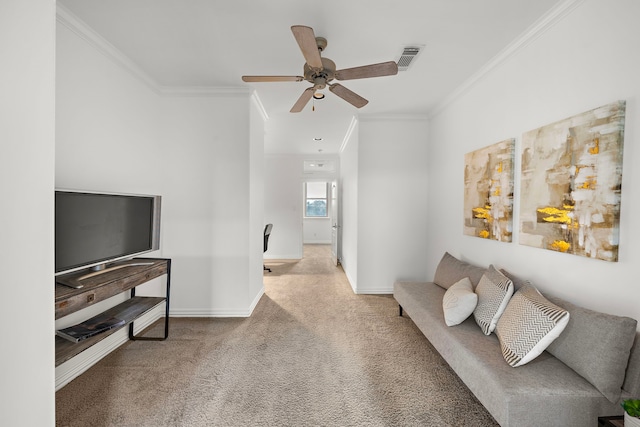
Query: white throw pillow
point(494, 291)
point(459, 302)
point(528, 325)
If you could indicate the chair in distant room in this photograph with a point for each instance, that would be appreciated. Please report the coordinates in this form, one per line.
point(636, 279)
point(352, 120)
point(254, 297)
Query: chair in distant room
point(267, 233)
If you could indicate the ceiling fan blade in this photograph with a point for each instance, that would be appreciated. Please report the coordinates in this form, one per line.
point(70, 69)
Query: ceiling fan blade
point(389, 68)
point(302, 101)
point(348, 95)
point(307, 41)
point(272, 78)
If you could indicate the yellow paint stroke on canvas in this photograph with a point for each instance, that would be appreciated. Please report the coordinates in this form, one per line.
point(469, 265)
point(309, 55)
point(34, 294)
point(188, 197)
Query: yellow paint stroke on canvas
point(596, 147)
point(560, 245)
point(484, 234)
point(556, 215)
point(499, 168)
point(483, 213)
point(589, 183)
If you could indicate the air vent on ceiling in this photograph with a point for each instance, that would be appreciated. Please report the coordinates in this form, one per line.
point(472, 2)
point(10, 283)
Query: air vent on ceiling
point(408, 57)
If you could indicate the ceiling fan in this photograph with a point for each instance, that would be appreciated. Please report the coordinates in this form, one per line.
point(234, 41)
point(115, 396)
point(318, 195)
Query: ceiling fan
point(321, 71)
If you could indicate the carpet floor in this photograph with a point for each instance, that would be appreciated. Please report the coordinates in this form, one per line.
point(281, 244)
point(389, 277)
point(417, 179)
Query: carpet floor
point(312, 354)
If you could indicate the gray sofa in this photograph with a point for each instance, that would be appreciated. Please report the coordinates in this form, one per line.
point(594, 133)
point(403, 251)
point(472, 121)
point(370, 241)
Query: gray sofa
point(555, 389)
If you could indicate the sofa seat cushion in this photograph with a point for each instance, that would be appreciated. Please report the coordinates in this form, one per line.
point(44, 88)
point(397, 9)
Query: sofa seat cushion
point(543, 392)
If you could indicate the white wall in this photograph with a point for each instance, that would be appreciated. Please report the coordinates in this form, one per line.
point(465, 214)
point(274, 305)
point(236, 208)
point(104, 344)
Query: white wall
point(589, 58)
point(202, 151)
point(118, 133)
point(284, 179)
point(256, 200)
point(283, 206)
point(391, 214)
point(348, 197)
point(316, 230)
point(106, 140)
point(207, 199)
point(27, 43)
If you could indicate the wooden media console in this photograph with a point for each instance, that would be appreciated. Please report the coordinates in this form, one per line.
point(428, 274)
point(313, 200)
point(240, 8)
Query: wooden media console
point(98, 287)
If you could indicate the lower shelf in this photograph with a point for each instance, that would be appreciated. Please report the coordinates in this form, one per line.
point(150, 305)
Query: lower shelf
point(128, 311)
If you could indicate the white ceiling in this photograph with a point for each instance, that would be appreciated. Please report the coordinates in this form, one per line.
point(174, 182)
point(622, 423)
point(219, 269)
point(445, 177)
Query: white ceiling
point(212, 43)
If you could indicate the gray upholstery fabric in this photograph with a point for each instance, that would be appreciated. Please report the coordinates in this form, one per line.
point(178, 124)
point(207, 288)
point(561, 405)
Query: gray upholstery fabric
point(632, 378)
point(450, 270)
point(543, 392)
point(517, 282)
point(597, 346)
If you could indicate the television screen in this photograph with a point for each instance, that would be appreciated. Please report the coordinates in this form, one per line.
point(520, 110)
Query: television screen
point(94, 228)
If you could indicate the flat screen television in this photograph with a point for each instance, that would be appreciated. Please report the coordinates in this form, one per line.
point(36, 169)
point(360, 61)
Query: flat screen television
point(93, 230)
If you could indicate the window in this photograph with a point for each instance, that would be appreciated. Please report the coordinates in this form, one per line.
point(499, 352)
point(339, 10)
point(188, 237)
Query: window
point(315, 199)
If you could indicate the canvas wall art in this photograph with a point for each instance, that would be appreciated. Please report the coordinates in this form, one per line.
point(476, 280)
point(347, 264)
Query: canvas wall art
point(571, 184)
point(488, 192)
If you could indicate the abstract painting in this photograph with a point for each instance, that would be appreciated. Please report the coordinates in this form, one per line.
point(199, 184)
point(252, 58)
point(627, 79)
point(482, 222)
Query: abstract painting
point(488, 192)
point(571, 184)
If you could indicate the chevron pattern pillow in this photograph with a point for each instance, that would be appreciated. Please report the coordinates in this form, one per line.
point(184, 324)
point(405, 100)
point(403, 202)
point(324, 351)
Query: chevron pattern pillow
point(528, 325)
point(494, 291)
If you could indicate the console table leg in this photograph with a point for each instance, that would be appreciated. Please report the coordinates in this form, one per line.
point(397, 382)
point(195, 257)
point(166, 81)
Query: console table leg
point(132, 337)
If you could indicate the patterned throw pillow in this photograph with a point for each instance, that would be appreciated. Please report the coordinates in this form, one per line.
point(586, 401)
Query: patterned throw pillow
point(528, 325)
point(459, 302)
point(494, 291)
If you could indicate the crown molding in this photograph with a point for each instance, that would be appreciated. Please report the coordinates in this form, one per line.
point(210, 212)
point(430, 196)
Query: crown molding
point(258, 103)
point(65, 17)
point(204, 91)
point(347, 135)
point(547, 21)
point(392, 117)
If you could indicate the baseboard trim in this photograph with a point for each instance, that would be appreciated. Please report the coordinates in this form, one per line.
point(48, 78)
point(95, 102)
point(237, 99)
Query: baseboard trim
point(256, 300)
point(206, 312)
point(380, 291)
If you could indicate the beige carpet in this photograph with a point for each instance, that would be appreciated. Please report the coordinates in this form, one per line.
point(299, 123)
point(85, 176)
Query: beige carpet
point(312, 354)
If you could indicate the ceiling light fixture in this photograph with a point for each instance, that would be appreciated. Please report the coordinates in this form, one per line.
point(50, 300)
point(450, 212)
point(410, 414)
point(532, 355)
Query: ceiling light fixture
point(316, 95)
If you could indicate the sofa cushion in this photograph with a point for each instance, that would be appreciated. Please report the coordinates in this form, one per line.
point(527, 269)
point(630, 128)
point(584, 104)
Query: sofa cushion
point(597, 346)
point(450, 270)
point(528, 325)
point(517, 281)
point(494, 291)
point(458, 302)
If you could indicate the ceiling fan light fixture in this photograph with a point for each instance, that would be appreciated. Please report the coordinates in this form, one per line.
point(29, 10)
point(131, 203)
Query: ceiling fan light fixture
point(320, 72)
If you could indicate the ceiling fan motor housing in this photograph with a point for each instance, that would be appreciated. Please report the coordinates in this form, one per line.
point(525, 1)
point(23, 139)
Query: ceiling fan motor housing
point(319, 78)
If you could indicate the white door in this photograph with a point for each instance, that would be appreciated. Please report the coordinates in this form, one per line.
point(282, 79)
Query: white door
point(335, 224)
